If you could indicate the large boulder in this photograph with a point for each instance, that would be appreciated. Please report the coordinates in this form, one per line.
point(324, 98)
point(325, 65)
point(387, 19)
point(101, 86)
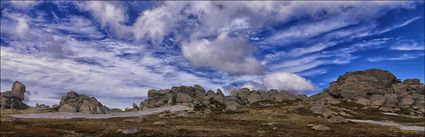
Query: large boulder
point(18, 90)
point(377, 100)
point(406, 101)
point(253, 98)
point(182, 97)
point(391, 100)
point(362, 83)
point(74, 102)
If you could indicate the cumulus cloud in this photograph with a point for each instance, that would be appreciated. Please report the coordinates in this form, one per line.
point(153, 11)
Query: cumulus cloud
point(287, 81)
point(228, 54)
point(109, 14)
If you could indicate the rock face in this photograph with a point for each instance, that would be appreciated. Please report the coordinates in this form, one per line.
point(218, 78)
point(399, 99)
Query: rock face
point(196, 96)
point(379, 89)
point(13, 99)
point(74, 102)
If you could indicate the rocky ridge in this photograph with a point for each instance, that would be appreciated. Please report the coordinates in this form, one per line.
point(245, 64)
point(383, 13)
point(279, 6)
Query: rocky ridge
point(372, 89)
point(196, 96)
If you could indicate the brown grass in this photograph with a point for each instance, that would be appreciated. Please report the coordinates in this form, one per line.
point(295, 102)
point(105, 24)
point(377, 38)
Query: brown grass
point(247, 122)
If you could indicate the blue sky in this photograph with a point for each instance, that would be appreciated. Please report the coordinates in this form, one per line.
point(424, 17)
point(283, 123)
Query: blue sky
point(116, 51)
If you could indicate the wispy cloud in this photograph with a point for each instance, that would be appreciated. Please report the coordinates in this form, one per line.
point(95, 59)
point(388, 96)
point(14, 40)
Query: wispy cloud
point(401, 57)
point(408, 46)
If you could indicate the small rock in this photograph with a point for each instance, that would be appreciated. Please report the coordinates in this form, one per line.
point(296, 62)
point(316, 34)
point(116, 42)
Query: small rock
point(337, 120)
point(161, 123)
point(270, 124)
point(182, 114)
point(132, 130)
point(320, 128)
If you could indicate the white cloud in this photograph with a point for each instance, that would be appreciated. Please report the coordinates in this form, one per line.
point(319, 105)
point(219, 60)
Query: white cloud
point(287, 81)
point(228, 54)
point(24, 4)
point(407, 46)
point(156, 23)
point(401, 57)
point(313, 72)
point(109, 14)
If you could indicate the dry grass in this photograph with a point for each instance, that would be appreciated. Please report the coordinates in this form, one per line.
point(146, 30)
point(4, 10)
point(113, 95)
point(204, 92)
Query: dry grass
point(247, 122)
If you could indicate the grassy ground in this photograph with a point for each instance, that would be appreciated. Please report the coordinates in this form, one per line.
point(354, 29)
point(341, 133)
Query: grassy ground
point(252, 121)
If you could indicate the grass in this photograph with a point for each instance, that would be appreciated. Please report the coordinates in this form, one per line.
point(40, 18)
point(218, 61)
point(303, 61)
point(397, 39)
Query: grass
point(247, 122)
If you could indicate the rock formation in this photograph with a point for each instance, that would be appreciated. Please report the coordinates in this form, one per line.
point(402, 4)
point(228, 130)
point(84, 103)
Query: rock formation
point(13, 99)
point(74, 102)
point(196, 96)
point(378, 89)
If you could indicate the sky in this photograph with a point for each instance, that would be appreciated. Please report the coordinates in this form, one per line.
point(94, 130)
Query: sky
point(117, 50)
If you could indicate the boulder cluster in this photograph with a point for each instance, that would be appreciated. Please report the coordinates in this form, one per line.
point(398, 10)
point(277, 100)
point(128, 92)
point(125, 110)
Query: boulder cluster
point(378, 89)
point(74, 102)
point(198, 97)
point(13, 99)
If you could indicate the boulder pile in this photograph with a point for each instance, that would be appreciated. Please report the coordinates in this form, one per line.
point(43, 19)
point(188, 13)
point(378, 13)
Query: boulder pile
point(74, 102)
point(13, 99)
point(196, 96)
point(378, 89)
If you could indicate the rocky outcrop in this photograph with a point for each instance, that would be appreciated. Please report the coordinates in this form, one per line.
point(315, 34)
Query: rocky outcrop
point(13, 99)
point(74, 102)
point(378, 89)
point(196, 96)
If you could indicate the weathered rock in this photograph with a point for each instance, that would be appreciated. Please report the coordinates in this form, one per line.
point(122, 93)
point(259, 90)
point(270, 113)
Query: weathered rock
point(386, 109)
point(391, 100)
point(161, 123)
point(231, 103)
point(74, 102)
point(253, 98)
point(362, 83)
point(135, 106)
point(377, 100)
point(183, 98)
point(18, 90)
point(67, 108)
point(363, 101)
point(132, 130)
point(281, 96)
point(199, 91)
point(406, 101)
point(13, 99)
point(42, 106)
point(337, 120)
point(188, 90)
point(320, 128)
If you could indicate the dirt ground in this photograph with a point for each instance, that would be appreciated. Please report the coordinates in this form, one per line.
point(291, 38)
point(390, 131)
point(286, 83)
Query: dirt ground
point(252, 121)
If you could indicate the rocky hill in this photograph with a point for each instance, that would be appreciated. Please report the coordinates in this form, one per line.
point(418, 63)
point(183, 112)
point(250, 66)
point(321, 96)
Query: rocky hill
point(373, 89)
point(74, 102)
point(378, 89)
